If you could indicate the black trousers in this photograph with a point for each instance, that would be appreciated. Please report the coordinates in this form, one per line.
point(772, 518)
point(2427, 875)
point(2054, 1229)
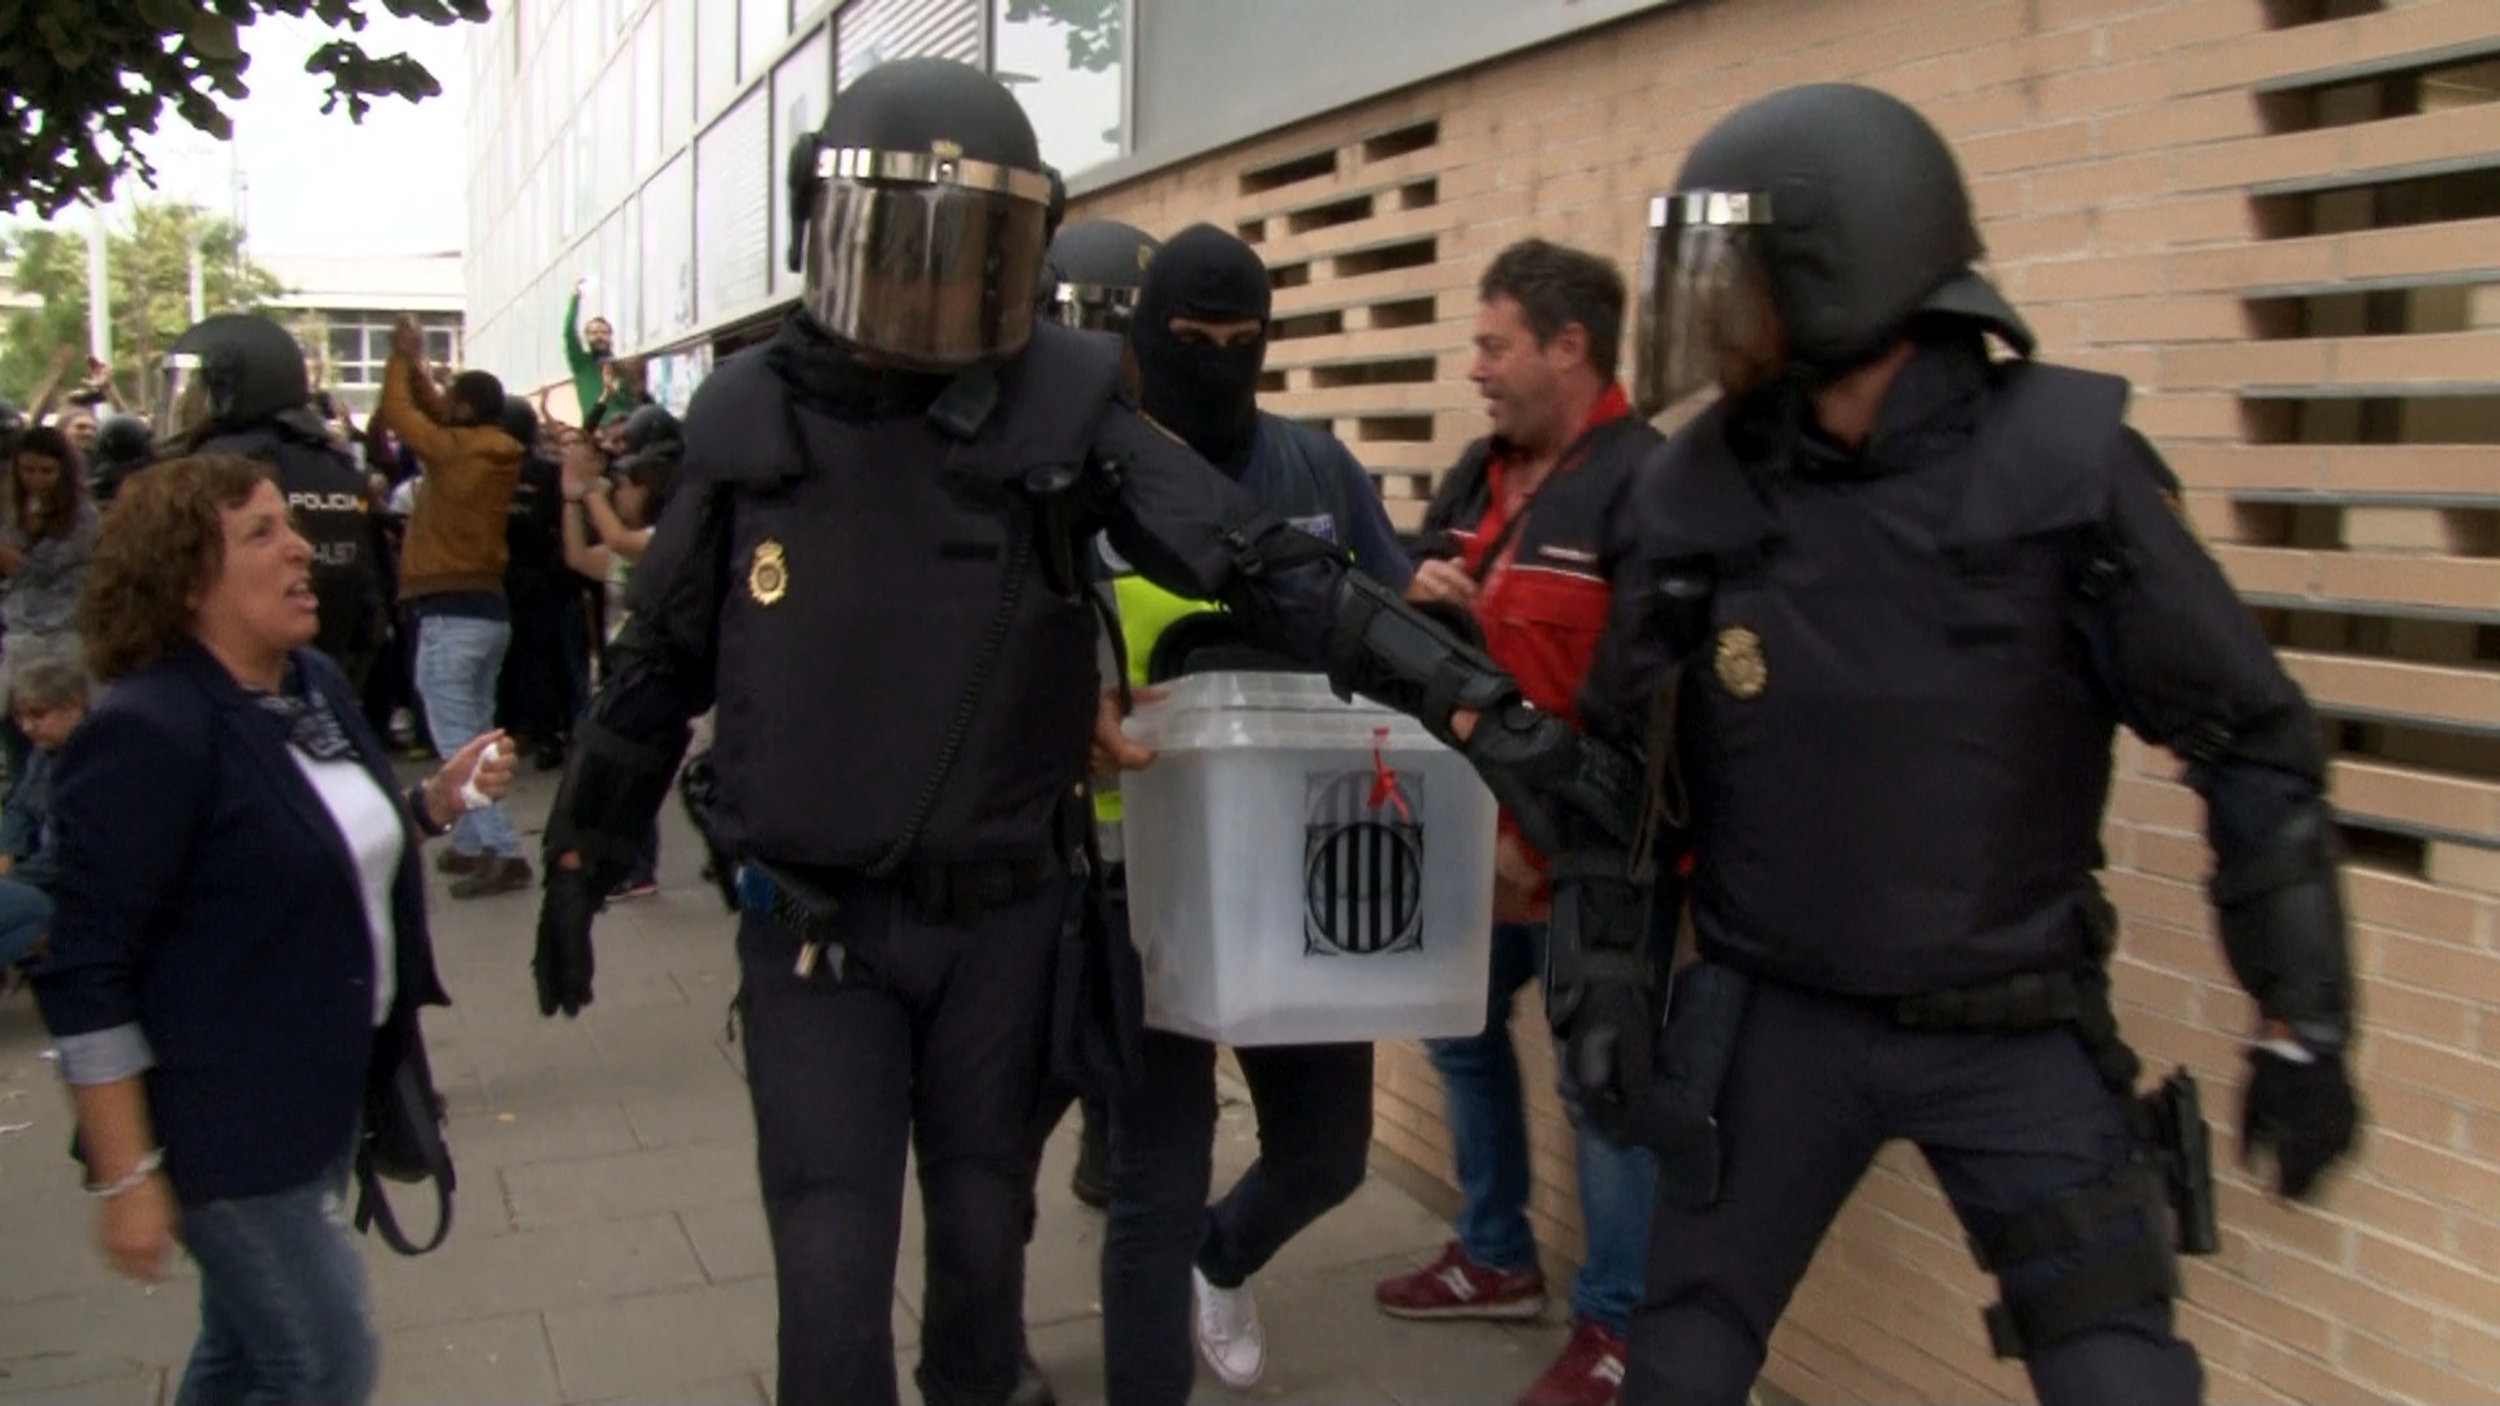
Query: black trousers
point(532, 691)
point(1314, 1104)
point(1819, 1084)
point(932, 1040)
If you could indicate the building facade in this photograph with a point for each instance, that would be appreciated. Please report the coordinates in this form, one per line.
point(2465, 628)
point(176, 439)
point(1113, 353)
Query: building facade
point(342, 309)
point(2277, 217)
point(634, 149)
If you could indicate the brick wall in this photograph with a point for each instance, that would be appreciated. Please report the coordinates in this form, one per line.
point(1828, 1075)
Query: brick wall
point(2281, 218)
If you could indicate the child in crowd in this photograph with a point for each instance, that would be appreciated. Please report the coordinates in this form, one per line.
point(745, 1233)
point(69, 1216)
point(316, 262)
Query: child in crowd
point(48, 698)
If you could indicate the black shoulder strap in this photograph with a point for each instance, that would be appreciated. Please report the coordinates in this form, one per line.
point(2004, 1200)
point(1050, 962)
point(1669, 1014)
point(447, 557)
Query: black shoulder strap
point(373, 1210)
point(403, 1124)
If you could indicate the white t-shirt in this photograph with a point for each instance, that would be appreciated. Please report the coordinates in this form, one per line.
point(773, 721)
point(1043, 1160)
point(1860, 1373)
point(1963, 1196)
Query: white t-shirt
point(368, 819)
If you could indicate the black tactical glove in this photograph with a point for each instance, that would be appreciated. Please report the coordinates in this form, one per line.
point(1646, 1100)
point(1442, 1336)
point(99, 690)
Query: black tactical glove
point(2304, 1110)
point(1673, 1113)
point(563, 960)
point(1557, 784)
point(1605, 1055)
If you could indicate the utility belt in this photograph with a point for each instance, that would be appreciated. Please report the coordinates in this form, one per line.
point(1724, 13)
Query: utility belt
point(800, 898)
point(2170, 1179)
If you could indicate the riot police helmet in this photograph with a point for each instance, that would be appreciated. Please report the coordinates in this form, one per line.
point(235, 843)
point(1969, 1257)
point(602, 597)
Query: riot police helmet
point(233, 371)
point(919, 214)
point(121, 442)
point(1092, 274)
point(650, 426)
point(1807, 230)
point(520, 420)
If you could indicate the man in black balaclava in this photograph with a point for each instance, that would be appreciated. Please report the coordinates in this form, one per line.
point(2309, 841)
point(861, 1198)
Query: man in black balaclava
point(1200, 337)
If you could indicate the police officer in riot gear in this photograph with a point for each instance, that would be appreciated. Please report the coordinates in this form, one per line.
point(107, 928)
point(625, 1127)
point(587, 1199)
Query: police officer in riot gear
point(1887, 601)
point(872, 568)
point(237, 385)
point(649, 427)
point(1093, 270)
point(123, 446)
point(1091, 274)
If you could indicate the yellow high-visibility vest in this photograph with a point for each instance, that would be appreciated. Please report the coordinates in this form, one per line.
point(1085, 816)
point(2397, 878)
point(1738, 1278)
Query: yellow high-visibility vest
point(1146, 611)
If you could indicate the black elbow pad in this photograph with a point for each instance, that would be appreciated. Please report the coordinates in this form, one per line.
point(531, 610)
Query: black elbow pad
point(2281, 907)
point(1388, 651)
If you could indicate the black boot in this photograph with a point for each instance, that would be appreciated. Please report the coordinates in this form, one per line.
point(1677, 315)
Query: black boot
point(1091, 1183)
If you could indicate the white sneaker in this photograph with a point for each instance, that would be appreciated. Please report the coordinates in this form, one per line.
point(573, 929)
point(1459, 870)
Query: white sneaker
point(1229, 1335)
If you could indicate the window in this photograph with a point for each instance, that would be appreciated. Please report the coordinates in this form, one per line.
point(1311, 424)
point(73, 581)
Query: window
point(650, 107)
point(1067, 62)
point(715, 56)
point(869, 32)
point(347, 363)
point(802, 89)
point(762, 26)
point(357, 346)
point(677, 79)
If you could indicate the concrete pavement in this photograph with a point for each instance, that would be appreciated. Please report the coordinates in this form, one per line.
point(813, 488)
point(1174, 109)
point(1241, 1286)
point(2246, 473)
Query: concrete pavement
point(609, 1244)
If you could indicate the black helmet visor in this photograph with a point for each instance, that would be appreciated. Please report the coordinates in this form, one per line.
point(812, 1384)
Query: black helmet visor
point(1705, 293)
point(931, 261)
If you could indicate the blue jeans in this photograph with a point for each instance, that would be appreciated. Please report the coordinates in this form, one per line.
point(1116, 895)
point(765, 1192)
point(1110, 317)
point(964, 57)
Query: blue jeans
point(458, 659)
point(25, 915)
point(282, 1301)
point(1489, 1129)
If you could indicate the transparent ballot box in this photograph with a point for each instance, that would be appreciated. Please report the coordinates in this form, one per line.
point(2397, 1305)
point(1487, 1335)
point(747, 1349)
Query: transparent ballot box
point(1302, 869)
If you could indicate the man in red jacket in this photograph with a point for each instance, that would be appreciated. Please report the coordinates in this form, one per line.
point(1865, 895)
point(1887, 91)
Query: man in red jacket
point(1517, 537)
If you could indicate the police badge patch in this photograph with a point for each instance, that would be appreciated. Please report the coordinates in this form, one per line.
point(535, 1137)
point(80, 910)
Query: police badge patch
point(768, 579)
point(1743, 672)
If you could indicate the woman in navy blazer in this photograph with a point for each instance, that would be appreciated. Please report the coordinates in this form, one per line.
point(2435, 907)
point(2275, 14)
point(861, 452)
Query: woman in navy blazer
point(239, 941)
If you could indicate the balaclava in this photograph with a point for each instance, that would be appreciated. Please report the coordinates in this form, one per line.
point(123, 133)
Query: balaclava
point(1206, 395)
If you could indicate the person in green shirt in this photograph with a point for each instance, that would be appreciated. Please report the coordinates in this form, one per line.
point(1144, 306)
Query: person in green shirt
point(607, 389)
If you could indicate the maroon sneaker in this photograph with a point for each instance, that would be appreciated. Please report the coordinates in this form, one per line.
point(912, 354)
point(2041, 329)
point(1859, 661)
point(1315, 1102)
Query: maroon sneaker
point(1455, 1286)
point(1589, 1372)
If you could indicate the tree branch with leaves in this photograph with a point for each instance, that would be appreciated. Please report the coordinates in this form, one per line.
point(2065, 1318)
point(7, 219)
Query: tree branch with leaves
point(81, 81)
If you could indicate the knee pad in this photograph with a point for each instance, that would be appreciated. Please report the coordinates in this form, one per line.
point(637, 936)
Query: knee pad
point(2106, 1280)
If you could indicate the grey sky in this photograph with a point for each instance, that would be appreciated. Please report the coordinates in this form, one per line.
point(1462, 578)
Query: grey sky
point(396, 184)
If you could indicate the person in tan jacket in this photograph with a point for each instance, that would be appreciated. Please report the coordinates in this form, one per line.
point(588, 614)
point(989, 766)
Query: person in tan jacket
point(451, 574)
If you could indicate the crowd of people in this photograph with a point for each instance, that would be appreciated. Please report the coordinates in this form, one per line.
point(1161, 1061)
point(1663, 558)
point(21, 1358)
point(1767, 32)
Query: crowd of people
point(1800, 719)
point(211, 636)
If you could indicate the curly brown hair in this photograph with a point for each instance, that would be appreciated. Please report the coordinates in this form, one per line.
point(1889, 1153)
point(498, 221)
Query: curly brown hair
point(162, 545)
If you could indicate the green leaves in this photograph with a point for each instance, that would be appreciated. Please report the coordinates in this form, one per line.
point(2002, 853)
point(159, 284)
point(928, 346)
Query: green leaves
point(81, 80)
point(165, 15)
point(148, 268)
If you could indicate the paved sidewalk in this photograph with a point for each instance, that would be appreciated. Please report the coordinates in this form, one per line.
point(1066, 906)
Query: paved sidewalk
point(609, 1244)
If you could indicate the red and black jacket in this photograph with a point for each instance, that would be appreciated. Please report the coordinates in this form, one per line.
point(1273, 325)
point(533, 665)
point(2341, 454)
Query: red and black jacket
point(1542, 572)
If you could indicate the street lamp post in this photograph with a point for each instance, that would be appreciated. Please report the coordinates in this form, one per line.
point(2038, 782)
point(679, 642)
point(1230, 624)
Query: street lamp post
point(99, 310)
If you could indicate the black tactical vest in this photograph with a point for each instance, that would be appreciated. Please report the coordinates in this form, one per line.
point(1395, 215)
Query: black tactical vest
point(328, 497)
point(1896, 747)
point(871, 571)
